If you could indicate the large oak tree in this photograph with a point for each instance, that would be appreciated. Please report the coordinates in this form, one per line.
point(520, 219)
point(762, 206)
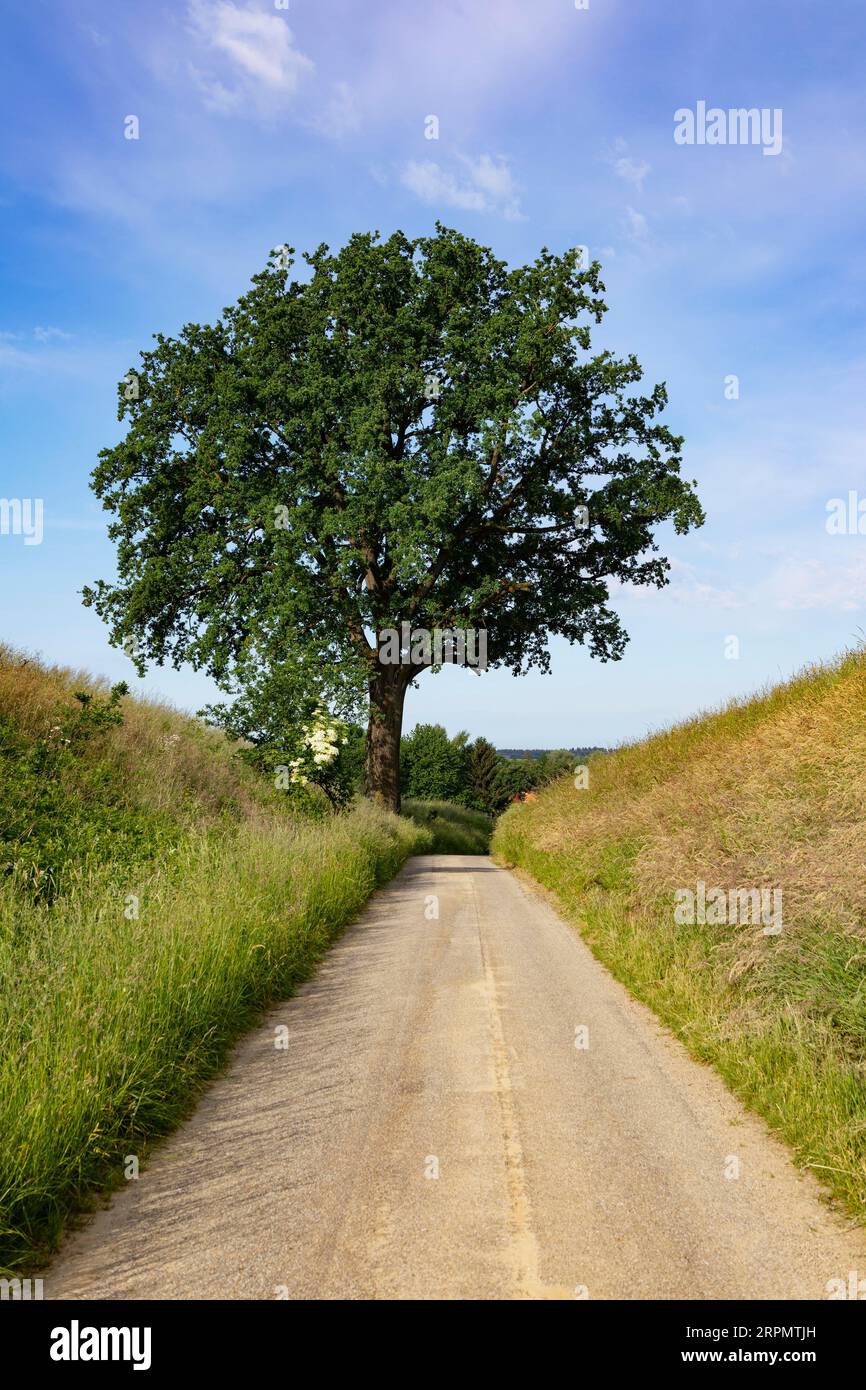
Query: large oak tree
point(411, 431)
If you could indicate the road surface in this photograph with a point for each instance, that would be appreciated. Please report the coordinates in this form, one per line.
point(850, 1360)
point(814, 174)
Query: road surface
point(466, 1106)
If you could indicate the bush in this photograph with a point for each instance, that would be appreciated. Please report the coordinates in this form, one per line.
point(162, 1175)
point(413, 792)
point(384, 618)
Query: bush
point(433, 767)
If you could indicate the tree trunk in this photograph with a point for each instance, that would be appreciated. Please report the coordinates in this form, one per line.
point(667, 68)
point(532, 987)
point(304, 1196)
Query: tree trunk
point(387, 693)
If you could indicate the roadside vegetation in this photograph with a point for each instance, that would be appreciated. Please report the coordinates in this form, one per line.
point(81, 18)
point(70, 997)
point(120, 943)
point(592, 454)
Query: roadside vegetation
point(767, 793)
point(453, 829)
point(156, 893)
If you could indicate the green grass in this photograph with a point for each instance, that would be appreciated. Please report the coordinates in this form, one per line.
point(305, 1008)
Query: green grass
point(769, 793)
point(88, 777)
point(455, 830)
point(156, 894)
point(109, 1024)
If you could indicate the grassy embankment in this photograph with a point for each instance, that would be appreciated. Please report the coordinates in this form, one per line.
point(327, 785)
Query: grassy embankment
point(155, 895)
point(767, 793)
point(455, 830)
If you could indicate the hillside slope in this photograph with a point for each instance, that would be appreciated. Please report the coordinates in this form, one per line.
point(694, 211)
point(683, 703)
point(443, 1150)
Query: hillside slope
point(155, 894)
point(90, 776)
point(766, 796)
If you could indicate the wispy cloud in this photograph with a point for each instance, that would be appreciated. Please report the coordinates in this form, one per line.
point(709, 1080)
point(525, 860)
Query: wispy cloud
point(250, 58)
point(636, 225)
point(340, 115)
point(485, 184)
point(802, 583)
point(685, 587)
point(47, 335)
point(632, 170)
point(627, 168)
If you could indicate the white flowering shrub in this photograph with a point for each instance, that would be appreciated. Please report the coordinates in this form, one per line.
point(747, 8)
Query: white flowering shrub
point(291, 731)
point(321, 741)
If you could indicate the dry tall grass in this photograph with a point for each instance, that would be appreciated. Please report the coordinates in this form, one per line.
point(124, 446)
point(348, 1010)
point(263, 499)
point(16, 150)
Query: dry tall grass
point(767, 793)
point(164, 759)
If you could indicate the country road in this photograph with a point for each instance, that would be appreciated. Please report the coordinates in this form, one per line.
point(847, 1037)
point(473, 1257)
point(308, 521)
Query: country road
point(431, 1130)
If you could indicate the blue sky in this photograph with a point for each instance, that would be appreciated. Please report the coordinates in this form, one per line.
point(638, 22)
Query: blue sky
point(260, 125)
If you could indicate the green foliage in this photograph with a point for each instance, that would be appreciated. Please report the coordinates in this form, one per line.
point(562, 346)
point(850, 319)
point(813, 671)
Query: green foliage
point(517, 776)
point(275, 718)
point(433, 767)
point(484, 789)
point(453, 829)
point(65, 808)
point(157, 894)
point(108, 1026)
point(412, 432)
point(579, 755)
point(553, 763)
point(327, 760)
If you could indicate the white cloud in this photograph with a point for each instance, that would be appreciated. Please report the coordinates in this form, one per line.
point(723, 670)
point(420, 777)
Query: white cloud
point(632, 171)
point(50, 356)
point(217, 97)
point(815, 584)
point(636, 225)
point(12, 357)
point(684, 587)
point(16, 352)
point(487, 185)
point(433, 184)
point(45, 335)
point(796, 583)
point(478, 55)
point(257, 61)
point(340, 116)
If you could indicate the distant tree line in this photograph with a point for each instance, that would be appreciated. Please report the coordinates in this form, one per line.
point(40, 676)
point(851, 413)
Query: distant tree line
point(434, 767)
point(543, 752)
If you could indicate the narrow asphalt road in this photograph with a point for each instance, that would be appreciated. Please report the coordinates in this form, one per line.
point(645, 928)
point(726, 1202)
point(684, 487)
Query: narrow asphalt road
point(432, 1130)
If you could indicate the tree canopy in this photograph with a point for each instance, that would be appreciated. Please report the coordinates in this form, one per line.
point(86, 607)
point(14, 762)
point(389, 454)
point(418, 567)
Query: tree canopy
point(411, 431)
